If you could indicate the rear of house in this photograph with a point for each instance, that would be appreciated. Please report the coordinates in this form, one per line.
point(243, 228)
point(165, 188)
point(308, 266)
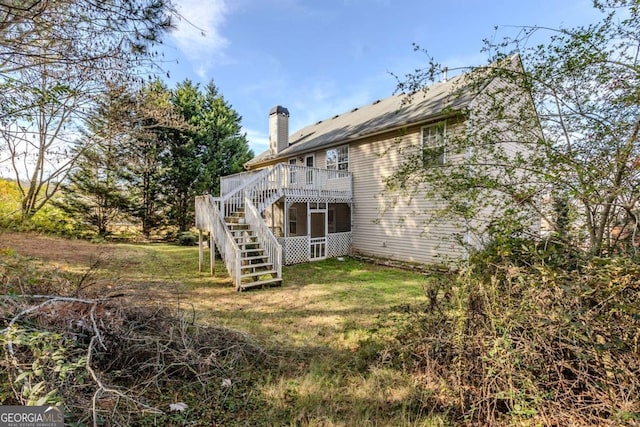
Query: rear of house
point(369, 144)
point(321, 191)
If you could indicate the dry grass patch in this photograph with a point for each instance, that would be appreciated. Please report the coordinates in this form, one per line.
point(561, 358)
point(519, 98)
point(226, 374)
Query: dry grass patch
point(315, 331)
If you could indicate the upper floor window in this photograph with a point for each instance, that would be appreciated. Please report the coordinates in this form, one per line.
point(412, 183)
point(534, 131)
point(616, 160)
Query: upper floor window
point(338, 158)
point(292, 172)
point(434, 138)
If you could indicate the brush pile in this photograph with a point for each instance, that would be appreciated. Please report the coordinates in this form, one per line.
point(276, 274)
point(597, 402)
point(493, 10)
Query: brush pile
point(111, 360)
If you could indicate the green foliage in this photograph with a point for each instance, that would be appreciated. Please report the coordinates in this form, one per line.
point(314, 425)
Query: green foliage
point(49, 364)
point(195, 159)
point(574, 163)
point(95, 194)
point(49, 219)
point(187, 238)
point(153, 120)
point(516, 339)
point(9, 203)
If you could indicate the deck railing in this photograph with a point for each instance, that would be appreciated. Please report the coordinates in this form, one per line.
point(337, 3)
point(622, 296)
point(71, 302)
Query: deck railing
point(307, 180)
point(209, 218)
point(266, 185)
point(231, 182)
point(234, 200)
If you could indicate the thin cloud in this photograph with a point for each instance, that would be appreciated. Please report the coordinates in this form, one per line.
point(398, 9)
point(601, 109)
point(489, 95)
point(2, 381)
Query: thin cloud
point(258, 140)
point(198, 35)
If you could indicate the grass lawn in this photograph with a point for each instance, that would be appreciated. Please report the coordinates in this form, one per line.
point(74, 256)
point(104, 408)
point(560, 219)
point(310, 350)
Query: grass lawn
point(321, 328)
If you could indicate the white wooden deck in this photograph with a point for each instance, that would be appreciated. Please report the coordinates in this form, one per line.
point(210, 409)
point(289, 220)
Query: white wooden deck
point(245, 196)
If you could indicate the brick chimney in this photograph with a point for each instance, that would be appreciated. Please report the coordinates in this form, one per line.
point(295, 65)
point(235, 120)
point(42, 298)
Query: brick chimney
point(278, 129)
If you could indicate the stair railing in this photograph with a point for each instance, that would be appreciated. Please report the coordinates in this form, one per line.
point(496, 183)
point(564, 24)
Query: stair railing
point(263, 192)
point(210, 218)
point(234, 200)
point(272, 249)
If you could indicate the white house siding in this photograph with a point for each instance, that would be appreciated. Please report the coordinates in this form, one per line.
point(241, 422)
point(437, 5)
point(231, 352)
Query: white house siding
point(399, 231)
point(319, 159)
point(274, 217)
point(519, 114)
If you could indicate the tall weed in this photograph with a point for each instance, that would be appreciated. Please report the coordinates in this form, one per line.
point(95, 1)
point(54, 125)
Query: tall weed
point(525, 341)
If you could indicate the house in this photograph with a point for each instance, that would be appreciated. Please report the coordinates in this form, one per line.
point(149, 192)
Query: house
point(319, 192)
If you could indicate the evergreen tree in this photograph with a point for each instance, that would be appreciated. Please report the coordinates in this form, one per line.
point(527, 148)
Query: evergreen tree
point(183, 160)
point(95, 194)
point(153, 121)
point(213, 146)
point(227, 148)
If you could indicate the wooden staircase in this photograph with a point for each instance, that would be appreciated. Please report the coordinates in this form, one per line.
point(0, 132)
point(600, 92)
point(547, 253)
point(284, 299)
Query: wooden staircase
point(255, 268)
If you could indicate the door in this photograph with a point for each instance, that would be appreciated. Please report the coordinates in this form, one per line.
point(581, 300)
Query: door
point(309, 161)
point(317, 234)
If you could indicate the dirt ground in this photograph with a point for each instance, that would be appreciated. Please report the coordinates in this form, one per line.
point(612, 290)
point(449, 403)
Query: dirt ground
point(101, 268)
point(54, 249)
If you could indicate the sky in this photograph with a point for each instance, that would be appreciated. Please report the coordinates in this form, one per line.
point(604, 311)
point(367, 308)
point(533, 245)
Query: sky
point(319, 58)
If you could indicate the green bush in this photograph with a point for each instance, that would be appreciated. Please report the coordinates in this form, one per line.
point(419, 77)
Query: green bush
point(52, 220)
point(530, 343)
point(187, 238)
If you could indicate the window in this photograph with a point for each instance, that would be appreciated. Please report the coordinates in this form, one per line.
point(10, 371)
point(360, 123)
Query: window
point(309, 161)
point(338, 158)
point(293, 220)
point(292, 171)
point(433, 144)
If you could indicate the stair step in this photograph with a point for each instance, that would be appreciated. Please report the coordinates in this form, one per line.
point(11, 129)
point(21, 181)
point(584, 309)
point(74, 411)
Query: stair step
point(251, 258)
point(260, 283)
point(243, 237)
point(234, 220)
point(245, 244)
point(248, 251)
point(262, 264)
point(238, 227)
point(242, 231)
point(257, 274)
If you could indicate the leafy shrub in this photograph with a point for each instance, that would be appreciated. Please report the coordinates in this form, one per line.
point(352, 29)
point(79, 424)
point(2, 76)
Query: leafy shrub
point(529, 342)
point(52, 220)
point(9, 204)
point(187, 238)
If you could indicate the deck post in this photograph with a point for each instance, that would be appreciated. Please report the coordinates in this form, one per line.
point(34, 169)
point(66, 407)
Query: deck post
point(212, 255)
point(200, 251)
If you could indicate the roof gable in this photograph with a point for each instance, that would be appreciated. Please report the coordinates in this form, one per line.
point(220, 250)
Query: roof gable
point(382, 115)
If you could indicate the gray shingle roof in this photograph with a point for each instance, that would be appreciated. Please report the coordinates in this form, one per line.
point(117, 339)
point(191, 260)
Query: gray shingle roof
point(381, 115)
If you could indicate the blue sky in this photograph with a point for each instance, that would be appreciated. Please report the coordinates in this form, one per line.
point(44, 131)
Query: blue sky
point(319, 58)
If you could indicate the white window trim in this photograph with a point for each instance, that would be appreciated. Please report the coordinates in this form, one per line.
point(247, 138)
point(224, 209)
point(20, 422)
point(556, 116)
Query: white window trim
point(348, 162)
point(292, 174)
point(308, 180)
point(442, 124)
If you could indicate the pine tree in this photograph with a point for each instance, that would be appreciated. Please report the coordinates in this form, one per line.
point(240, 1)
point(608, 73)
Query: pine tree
point(95, 194)
point(213, 146)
